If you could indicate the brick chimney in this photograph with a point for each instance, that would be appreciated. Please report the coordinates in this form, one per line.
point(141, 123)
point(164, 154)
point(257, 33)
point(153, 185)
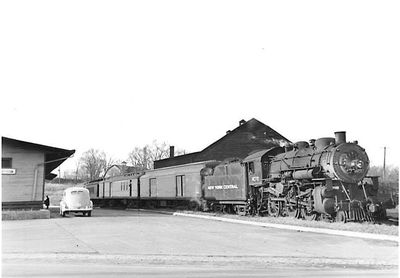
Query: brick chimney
point(123, 170)
point(171, 151)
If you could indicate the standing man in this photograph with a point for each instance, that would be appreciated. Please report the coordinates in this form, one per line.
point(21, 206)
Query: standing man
point(47, 202)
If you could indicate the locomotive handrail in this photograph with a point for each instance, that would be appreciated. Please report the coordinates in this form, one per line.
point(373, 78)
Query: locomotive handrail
point(286, 163)
point(344, 189)
point(301, 156)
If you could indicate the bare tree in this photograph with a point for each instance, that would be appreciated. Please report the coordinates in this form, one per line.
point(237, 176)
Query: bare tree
point(392, 173)
point(94, 163)
point(77, 170)
point(144, 157)
point(139, 157)
point(108, 162)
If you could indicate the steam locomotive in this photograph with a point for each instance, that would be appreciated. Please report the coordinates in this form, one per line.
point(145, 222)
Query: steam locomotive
point(323, 179)
point(326, 178)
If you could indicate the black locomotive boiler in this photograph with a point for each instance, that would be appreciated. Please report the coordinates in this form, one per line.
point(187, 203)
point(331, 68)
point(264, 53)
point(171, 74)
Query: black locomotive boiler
point(326, 178)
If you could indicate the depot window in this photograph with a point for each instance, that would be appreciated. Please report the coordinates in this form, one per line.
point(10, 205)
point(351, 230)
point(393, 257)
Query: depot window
point(6, 163)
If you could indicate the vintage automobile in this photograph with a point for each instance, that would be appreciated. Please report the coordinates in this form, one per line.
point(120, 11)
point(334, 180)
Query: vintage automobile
point(76, 199)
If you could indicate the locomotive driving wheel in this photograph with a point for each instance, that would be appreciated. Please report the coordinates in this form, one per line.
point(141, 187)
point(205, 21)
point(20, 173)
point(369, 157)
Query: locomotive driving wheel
point(274, 208)
point(291, 208)
point(307, 209)
point(292, 211)
point(308, 214)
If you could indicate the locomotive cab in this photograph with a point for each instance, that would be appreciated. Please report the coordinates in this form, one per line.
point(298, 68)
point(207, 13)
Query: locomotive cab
point(258, 165)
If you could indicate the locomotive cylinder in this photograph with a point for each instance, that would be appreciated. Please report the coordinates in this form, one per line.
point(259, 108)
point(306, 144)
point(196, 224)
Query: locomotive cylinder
point(321, 204)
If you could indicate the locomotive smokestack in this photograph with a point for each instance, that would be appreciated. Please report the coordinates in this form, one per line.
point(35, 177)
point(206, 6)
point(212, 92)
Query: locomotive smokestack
point(340, 137)
point(171, 151)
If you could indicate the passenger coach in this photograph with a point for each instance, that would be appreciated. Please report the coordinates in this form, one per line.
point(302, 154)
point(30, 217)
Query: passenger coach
point(176, 186)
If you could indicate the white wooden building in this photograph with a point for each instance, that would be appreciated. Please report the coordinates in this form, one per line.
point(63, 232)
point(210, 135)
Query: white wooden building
point(25, 167)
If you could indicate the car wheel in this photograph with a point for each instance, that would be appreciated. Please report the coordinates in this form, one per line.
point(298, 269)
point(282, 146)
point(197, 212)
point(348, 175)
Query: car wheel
point(63, 214)
point(89, 213)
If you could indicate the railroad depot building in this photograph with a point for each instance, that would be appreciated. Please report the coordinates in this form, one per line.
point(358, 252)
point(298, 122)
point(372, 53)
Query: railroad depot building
point(24, 168)
point(248, 137)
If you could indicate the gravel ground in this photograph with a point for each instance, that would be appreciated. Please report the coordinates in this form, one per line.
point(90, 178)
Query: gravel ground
point(385, 229)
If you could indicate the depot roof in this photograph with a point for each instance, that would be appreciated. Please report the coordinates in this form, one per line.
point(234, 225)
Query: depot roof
point(53, 156)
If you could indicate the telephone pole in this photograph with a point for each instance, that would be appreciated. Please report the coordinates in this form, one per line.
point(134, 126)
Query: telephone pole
point(384, 165)
point(59, 174)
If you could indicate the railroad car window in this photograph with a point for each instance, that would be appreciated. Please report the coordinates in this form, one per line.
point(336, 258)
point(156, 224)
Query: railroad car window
point(180, 184)
point(6, 163)
point(226, 170)
point(251, 168)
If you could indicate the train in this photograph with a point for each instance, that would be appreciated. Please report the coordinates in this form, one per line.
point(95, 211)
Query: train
point(315, 180)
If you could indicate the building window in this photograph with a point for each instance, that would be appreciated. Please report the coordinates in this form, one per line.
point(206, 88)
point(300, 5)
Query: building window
point(152, 187)
point(180, 185)
point(6, 163)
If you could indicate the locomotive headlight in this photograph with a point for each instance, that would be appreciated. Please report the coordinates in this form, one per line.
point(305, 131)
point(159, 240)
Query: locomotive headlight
point(357, 164)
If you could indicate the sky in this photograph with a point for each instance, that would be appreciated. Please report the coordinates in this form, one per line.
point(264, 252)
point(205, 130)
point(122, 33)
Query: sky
point(113, 75)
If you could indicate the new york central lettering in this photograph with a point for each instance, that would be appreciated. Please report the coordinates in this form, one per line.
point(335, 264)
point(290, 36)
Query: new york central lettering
point(224, 186)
